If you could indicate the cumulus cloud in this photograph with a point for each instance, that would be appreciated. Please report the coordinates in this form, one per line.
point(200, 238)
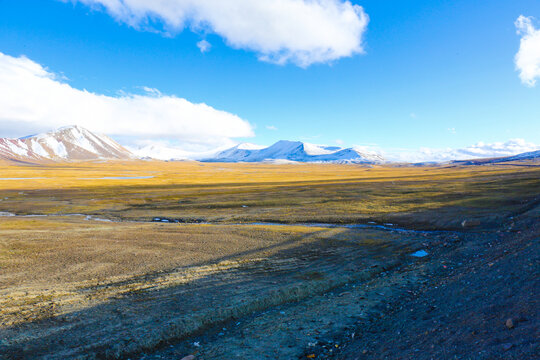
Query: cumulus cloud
point(528, 57)
point(479, 150)
point(204, 46)
point(168, 150)
point(33, 97)
point(279, 31)
point(271, 127)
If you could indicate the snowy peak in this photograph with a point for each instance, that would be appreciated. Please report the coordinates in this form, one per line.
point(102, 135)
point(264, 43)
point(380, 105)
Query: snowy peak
point(296, 151)
point(248, 146)
point(67, 143)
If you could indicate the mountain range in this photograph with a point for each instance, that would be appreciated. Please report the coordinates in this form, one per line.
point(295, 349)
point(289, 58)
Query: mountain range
point(527, 156)
point(295, 151)
point(74, 143)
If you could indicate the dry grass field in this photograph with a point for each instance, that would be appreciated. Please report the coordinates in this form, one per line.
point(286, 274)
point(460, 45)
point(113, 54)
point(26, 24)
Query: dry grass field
point(73, 286)
point(232, 193)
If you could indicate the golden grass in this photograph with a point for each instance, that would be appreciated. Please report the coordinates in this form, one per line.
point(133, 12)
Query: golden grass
point(58, 265)
point(261, 192)
point(90, 175)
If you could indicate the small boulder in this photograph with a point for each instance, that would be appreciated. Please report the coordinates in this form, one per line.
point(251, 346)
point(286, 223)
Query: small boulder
point(507, 346)
point(470, 223)
point(509, 323)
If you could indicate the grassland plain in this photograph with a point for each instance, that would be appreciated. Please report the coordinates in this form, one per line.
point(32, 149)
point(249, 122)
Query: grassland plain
point(74, 286)
point(230, 193)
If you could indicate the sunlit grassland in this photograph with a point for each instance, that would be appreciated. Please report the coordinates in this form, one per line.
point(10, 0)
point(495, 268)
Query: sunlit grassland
point(57, 265)
point(261, 192)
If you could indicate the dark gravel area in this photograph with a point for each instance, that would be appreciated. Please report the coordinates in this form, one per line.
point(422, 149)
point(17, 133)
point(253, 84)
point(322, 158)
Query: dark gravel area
point(486, 307)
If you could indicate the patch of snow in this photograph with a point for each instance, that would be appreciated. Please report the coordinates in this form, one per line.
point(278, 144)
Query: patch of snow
point(80, 139)
point(38, 149)
point(312, 149)
point(18, 147)
point(249, 146)
point(57, 148)
point(420, 253)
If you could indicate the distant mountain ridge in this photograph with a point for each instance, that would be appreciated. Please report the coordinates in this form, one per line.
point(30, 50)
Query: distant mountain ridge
point(296, 151)
point(71, 143)
point(533, 156)
point(74, 143)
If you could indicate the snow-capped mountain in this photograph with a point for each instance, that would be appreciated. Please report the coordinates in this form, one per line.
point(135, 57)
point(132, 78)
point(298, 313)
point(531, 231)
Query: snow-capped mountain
point(67, 143)
point(238, 152)
point(295, 151)
point(533, 156)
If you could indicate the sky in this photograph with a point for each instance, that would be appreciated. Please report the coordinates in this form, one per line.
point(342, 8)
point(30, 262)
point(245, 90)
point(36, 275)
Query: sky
point(410, 79)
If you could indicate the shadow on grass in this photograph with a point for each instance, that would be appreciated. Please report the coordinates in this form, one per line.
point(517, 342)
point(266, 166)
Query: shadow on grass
point(143, 320)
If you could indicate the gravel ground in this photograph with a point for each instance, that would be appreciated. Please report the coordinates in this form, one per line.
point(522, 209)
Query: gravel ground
point(485, 308)
point(474, 296)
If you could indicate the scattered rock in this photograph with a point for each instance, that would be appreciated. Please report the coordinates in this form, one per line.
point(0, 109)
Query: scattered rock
point(509, 323)
point(189, 357)
point(469, 223)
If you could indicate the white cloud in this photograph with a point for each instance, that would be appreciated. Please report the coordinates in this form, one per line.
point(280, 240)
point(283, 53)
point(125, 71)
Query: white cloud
point(371, 150)
point(479, 150)
point(204, 46)
point(279, 31)
point(339, 142)
point(528, 57)
point(170, 150)
point(33, 97)
point(271, 127)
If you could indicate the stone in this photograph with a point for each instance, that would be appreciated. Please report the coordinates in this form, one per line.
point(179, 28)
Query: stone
point(470, 223)
point(509, 323)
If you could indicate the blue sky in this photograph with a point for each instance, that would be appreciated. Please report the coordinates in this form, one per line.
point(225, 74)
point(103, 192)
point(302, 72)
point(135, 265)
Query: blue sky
point(433, 74)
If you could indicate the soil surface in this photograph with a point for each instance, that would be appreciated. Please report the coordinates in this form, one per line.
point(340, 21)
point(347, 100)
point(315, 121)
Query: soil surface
point(474, 296)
